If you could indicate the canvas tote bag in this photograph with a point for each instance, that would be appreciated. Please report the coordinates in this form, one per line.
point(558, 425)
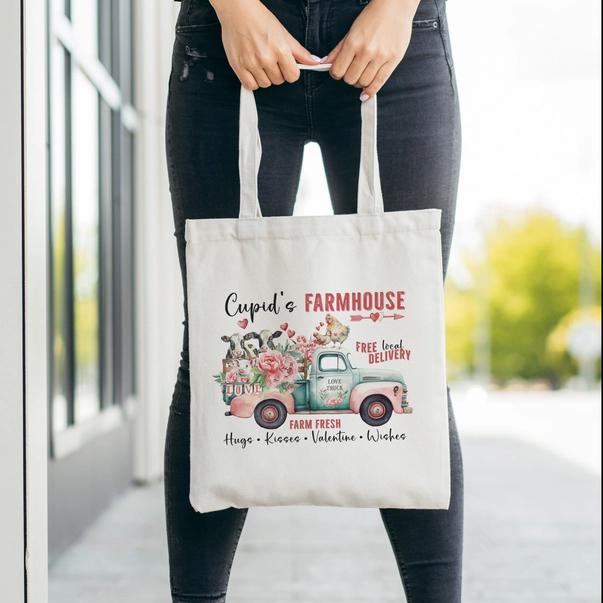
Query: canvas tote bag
point(317, 366)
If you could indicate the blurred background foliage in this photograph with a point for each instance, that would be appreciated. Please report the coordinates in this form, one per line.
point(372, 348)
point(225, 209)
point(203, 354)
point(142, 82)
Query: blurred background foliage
point(515, 313)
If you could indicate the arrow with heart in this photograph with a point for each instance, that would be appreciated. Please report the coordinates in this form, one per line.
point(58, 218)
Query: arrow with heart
point(375, 316)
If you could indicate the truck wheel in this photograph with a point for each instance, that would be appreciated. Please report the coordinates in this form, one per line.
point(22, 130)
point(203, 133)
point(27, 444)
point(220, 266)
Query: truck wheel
point(270, 414)
point(376, 410)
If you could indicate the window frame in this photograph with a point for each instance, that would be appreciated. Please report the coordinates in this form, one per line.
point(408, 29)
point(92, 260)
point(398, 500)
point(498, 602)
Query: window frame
point(340, 360)
point(110, 73)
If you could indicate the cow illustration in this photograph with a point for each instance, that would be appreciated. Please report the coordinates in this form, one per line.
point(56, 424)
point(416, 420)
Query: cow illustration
point(235, 348)
point(264, 341)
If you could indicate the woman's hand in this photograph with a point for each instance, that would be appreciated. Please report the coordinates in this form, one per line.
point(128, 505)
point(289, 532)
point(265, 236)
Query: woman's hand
point(259, 49)
point(375, 44)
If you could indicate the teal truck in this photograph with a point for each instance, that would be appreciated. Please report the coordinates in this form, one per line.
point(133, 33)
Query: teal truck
point(333, 385)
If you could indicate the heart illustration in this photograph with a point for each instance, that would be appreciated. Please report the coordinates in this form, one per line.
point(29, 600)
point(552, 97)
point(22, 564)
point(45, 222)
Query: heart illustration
point(375, 316)
point(243, 323)
point(284, 326)
point(290, 332)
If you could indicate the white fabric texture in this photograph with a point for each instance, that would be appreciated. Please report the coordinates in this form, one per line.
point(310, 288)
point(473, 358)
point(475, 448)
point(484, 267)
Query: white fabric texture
point(323, 337)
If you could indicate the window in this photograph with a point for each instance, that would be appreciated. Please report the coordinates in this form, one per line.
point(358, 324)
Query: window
point(92, 124)
point(332, 362)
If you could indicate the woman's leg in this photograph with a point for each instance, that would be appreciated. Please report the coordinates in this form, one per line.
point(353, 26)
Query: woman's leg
point(419, 152)
point(419, 138)
point(428, 545)
point(201, 545)
point(202, 157)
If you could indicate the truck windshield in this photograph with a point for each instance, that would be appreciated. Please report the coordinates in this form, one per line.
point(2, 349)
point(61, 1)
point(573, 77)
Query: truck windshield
point(331, 363)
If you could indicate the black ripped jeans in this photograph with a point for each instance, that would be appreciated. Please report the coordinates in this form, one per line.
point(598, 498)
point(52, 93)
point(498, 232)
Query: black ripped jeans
point(419, 150)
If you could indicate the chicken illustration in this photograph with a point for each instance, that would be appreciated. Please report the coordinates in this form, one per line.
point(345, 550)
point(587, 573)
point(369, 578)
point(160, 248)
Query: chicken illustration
point(336, 331)
point(321, 339)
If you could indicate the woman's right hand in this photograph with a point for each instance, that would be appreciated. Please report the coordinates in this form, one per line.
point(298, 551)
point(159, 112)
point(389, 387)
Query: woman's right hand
point(259, 49)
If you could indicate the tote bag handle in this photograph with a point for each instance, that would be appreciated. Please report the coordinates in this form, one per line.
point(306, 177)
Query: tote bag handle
point(370, 198)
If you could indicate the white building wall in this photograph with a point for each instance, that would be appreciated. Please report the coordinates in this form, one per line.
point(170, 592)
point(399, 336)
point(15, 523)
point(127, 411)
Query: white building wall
point(12, 542)
point(35, 220)
point(159, 290)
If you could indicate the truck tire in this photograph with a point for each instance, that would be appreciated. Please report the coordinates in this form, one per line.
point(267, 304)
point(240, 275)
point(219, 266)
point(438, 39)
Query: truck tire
point(270, 414)
point(376, 410)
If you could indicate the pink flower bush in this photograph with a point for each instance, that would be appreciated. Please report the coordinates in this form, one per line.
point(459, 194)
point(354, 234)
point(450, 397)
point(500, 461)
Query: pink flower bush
point(305, 347)
point(309, 352)
point(277, 368)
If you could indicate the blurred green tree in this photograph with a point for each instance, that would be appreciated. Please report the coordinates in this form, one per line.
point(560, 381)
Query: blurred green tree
point(532, 273)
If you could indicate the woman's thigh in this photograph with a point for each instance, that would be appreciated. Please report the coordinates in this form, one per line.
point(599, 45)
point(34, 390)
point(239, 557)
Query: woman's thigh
point(202, 124)
point(202, 127)
point(418, 127)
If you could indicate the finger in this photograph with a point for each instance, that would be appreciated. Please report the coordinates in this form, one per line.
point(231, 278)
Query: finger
point(288, 68)
point(368, 75)
point(344, 58)
point(302, 55)
point(378, 81)
point(333, 54)
point(261, 77)
point(273, 71)
point(247, 80)
point(355, 70)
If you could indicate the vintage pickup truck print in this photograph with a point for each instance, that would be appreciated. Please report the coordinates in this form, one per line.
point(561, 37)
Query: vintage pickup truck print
point(309, 380)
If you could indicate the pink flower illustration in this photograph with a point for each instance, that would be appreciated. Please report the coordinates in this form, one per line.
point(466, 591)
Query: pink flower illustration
point(270, 361)
point(305, 347)
point(288, 368)
point(333, 401)
point(309, 352)
point(231, 376)
point(270, 364)
point(272, 379)
point(301, 341)
point(277, 368)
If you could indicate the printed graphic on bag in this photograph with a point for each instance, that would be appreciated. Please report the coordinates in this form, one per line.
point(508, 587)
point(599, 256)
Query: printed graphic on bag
point(271, 373)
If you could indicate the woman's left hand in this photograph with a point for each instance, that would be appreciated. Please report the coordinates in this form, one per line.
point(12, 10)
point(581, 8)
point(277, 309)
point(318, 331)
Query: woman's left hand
point(375, 44)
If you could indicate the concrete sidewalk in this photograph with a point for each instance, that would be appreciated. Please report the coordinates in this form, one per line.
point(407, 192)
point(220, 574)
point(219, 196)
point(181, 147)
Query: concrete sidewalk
point(532, 536)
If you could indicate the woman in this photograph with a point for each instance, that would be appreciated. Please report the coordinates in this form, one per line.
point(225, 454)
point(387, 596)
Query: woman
point(398, 48)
